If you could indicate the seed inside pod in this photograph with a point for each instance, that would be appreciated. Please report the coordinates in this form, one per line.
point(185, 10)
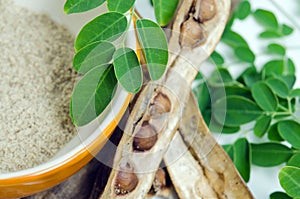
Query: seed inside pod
point(160, 180)
point(160, 105)
point(126, 180)
point(192, 33)
point(145, 138)
point(208, 10)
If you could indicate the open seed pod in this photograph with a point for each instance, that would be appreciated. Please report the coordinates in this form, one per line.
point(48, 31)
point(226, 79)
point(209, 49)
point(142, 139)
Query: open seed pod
point(175, 86)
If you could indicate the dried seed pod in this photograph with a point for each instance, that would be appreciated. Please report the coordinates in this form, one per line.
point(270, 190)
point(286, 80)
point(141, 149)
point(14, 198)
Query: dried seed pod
point(145, 138)
point(126, 180)
point(192, 33)
point(208, 10)
point(160, 180)
point(160, 105)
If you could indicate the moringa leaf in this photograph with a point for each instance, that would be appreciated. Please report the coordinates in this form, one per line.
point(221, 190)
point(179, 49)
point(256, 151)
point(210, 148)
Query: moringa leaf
point(279, 195)
point(290, 131)
point(108, 26)
point(76, 6)
point(294, 160)
point(235, 111)
point(217, 58)
point(119, 5)
point(266, 19)
point(286, 30)
point(92, 94)
point(242, 157)
point(164, 10)
point(262, 125)
point(276, 49)
point(234, 39)
point(295, 93)
point(289, 178)
point(264, 97)
point(279, 87)
point(154, 46)
point(245, 54)
point(243, 10)
point(201, 92)
point(93, 55)
point(220, 78)
point(128, 70)
point(273, 133)
point(270, 154)
point(269, 34)
point(229, 150)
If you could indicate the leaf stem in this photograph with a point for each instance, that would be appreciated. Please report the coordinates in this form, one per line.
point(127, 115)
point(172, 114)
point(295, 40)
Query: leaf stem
point(294, 22)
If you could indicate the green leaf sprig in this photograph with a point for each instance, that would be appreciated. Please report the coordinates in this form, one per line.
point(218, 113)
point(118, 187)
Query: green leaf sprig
point(265, 100)
point(103, 59)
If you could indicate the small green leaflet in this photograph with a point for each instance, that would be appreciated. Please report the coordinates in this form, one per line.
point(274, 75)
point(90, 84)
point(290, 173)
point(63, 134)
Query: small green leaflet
point(229, 150)
point(266, 18)
point(270, 154)
point(201, 92)
point(279, 195)
point(243, 10)
point(295, 93)
point(276, 49)
point(108, 26)
point(273, 133)
point(235, 111)
point(93, 55)
point(264, 97)
point(164, 10)
point(221, 77)
point(76, 6)
point(127, 69)
point(278, 86)
point(154, 46)
point(92, 94)
point(242, 157)
point(244, 54)
point(294, 160)
point(269, 34)
point(234, 39)
point(121, 6)
point(290, 131)
point(286, 30)
point(289, 178)
point(217, 58)
point(262, 125)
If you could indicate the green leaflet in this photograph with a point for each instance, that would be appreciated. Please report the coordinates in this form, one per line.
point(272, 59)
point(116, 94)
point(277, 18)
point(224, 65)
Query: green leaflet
point(266, 18)
point(269, 34)
point(278, 86)
point(295, 93)
point(93, 55)
point(234, 39)
point(262, 125)
point(121, 6)
point(273, 133)
point(289, 178)
point(92, 94)
point(235, 111)
point(243, 10)
point(286, 30)
point(217, 58)
point(270, 154)
point(76, 6)
point(242, 157)
point(154, 46)
point(294, 160)
point(276, 49)
point(108, 26)
point(164, 10)
point(201, 92)
point(245, 54)
point(127, 69)
point(264, 97)
point(290, 131)
point(221, 77)
point(279, 195)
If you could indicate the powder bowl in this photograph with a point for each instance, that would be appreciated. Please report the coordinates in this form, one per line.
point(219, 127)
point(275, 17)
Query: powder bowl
point(89, 139)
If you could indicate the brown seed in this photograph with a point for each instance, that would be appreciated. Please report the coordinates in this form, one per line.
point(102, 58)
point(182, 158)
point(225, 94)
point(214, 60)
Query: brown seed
point(191, 33)
point(145, 138)
point(160, 105)
point(208, 10)
point(126, 181)
point(160, 180)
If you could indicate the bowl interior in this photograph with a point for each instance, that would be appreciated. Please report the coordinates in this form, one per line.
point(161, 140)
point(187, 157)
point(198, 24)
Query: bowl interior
point(87, 134)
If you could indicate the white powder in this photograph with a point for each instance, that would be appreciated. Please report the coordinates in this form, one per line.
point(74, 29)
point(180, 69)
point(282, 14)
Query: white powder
point(36, 81)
